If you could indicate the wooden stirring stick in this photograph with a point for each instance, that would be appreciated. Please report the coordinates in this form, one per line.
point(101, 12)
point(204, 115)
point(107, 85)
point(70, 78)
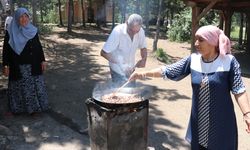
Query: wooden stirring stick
point(126, 83)
point(122, 86)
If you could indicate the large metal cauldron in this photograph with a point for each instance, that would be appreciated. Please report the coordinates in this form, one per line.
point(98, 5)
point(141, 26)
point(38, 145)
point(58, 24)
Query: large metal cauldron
point(117, 126)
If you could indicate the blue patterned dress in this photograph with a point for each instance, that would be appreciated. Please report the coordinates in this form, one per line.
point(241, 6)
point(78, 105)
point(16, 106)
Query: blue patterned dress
point(219, 130)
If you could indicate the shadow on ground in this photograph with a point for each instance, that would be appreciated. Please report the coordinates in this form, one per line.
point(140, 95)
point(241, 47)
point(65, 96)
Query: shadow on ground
point(70, 80)
point(159, 137)
point(71, 76)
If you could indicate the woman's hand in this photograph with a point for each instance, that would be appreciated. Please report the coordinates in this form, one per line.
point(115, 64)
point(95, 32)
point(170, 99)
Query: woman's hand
point(43, 65)
point(137, 75)
point(6, 71)
point(247, 120)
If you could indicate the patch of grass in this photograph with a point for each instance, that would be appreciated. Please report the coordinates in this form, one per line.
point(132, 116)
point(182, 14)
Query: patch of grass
point(162, 56)
point(45, 29)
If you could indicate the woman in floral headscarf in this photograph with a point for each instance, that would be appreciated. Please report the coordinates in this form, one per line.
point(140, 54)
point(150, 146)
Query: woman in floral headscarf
point(24, 63)
point(214, 73)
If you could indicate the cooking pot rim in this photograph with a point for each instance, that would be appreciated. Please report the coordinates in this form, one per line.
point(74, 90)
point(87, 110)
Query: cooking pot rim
point(137, 104)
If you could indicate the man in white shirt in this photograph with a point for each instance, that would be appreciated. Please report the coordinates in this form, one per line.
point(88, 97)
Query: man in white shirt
point(7, 20)
point(121, 46)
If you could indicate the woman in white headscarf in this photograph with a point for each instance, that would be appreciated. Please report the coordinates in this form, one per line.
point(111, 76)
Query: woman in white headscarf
point(24, 63)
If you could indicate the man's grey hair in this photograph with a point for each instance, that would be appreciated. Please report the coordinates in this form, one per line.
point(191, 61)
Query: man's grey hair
point(134, 19)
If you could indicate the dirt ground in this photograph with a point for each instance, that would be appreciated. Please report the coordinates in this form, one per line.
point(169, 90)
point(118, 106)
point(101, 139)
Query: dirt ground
point(74, 68)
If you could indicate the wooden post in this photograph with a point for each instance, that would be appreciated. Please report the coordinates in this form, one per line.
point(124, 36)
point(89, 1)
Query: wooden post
point(248, 32)
point(222, 19)
point(195, 24)
point(227, 28)
point(241, 29)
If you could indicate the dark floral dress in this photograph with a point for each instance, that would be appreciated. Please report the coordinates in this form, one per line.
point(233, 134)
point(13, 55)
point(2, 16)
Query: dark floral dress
point(26, 87)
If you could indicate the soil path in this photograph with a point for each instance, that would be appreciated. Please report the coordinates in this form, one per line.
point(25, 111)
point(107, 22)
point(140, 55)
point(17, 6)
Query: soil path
point(74, 68)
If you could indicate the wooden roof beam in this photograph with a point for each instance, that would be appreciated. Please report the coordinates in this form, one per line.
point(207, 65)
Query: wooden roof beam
point(237, 4)
point(205, 10)
point(189, 3)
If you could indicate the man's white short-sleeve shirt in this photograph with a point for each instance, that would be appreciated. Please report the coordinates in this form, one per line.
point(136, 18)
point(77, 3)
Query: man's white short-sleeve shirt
point(123, 48)
point(7, 22)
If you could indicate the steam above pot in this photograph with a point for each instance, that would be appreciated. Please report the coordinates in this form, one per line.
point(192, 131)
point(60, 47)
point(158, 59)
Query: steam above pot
point(106, 92)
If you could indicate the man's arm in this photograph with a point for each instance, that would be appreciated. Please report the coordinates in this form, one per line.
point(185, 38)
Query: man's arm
point(107, 56)
point(142, 63)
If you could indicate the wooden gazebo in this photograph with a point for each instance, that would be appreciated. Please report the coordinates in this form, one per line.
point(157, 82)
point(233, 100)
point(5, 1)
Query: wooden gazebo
point(227, 7)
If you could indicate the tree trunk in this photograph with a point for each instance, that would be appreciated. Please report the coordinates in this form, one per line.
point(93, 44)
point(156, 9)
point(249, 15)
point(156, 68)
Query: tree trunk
point(171, 18)
point(124, 11)
point(41, 11)
point(113, 14)
point(147, 16)
point(138, 11)
point(105, 14)
point(90, 12)
point(101, 15)
point(11, 6)
point(34, 16)
point(60, 13)
point(157, 27)
point(70, 14)
point(83, 14)
point(73, 12)
point(166, 22)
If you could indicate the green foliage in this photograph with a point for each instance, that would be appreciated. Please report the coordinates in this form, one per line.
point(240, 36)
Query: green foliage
point(181, 28)
point(22, 3)
point(235, 27)
point(234, 32)
point(174, 6)
point(162, 56)
point(46, 10)
point(45, 29)
point(182, 25)
point(234, 35)
point(51, 17)
point(212, 18)
point(236, 19)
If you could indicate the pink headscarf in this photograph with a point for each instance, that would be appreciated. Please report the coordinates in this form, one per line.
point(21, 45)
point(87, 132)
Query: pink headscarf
point(215, 36)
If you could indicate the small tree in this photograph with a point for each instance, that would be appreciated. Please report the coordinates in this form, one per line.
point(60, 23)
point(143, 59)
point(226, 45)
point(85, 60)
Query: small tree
point(157, 27)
